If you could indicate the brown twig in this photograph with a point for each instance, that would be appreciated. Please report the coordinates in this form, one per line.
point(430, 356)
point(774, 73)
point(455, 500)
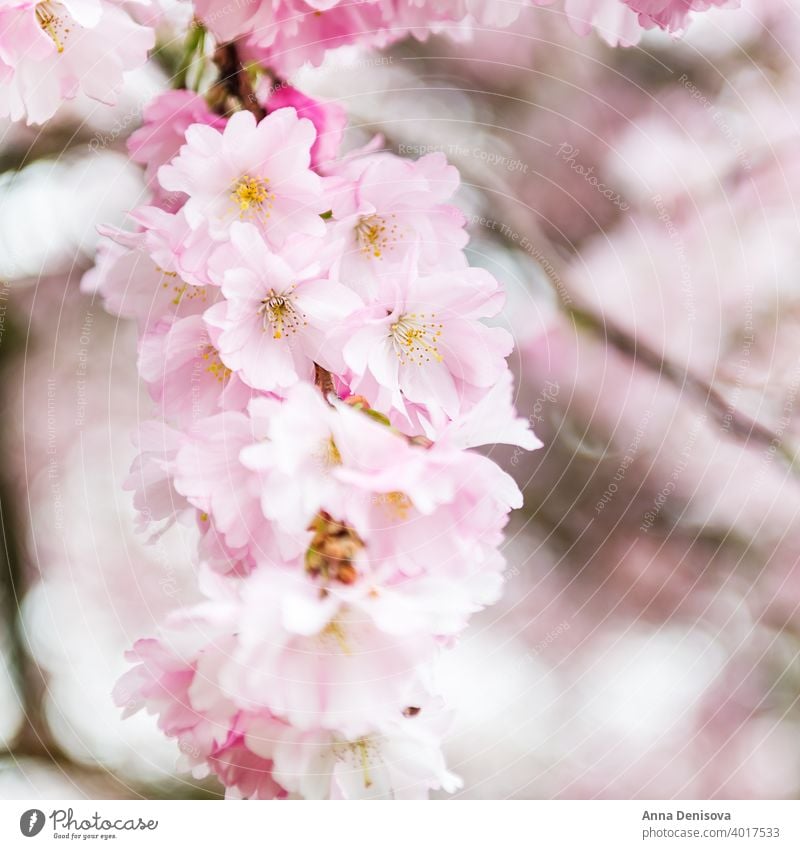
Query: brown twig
point(323, 379)
point(234, 83)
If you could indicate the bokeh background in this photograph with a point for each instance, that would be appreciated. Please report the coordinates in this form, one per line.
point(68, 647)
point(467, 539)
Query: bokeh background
point(640, 206)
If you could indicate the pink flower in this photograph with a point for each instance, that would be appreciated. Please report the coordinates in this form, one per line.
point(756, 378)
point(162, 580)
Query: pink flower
point(250, 172)
point(158, 140)
point(296, 457)
point(493, 420)
point(280, 314)
point(406, 508)
point(150, 478)
point(390, 207)
point(176, 353)
point(423, 344)
point(208, 474)
point(175, 677)
point(620, 22)
point(318, 660)
point(287, 34)
point(51, 50)
point(671, 15)
point(430, 520)
point(615, 22)
point(401, 761)
point(184, 678)
point(329, 119)
point(291, 355)
point(156, 271)
point(243, 773)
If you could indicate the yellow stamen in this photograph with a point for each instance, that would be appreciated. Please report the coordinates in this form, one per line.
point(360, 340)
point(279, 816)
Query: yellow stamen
point(52, 24)
point(375, 235)
point(362, 747)
point(215, 366)
point(415, 338)
point(252, 196)
point(335, 629)
point(279, 313)
point(398, 504)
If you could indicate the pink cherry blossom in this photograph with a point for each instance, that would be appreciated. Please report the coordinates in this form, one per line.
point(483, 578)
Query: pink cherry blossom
point(329, 119)
point(176, 353)
point(315, 345)
point(287, 34)
point(178, 678)
point(346, 673)
point(295, 458)
point(491, 421)
point(400, 761)
point(51, 50)
point(279, 311)
point(408, 506)
point(151, 474)
point(208, 474)
point(423, 343)
point(671, 15)
point(613, 21)
point(159, 139)
point(387, 208)
point(158, 270)
point(255, 172)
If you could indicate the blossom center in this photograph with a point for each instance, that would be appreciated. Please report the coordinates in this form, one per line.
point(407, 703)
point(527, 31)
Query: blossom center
point(375, 235)
point(214, 365)
point(328, 454)
point(416, 337)
point(252, 196)
point(52, 24)
point(359, 754)
point(333, 550)
point(280, 315)
point(398, 505)
point(334, 631)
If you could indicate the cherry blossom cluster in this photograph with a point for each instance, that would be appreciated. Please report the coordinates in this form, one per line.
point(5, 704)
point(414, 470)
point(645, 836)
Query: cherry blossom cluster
point(623, 21)
point(52, 50)
point(327, 372)
point(284, 34)
point(314, 342)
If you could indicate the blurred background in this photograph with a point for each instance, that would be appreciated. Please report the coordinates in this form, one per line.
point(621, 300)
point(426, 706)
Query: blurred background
point(640, 206)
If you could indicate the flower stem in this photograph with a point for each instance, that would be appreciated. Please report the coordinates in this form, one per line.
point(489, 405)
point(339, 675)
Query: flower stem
point(234, 81)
